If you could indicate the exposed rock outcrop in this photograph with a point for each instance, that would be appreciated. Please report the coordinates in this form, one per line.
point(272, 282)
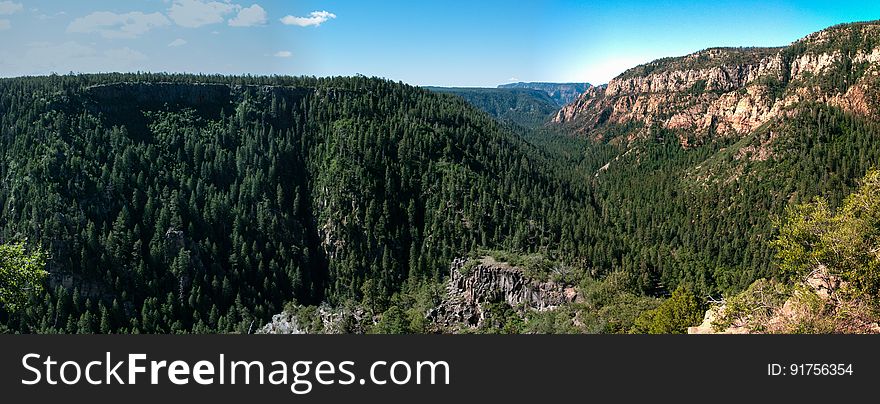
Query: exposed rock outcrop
point(733, 91)
point(814, 305)
point(471, 285)
point(284, 323)
point(209, 99)
point(323, 320)
point(709, 321)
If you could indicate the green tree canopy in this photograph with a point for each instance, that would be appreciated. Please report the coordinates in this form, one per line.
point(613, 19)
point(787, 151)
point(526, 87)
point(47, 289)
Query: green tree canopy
point(673, 316)
point(845, 242)
point(21, 272)
point(393, 321)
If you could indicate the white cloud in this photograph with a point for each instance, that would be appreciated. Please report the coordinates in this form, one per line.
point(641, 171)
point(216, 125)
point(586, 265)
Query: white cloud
point(283, 54)
point(4, 24)
point(112, 25)
point(177, 42)
point(249, 17)
point(315, 18)
point(9, 7)
point(196, 13)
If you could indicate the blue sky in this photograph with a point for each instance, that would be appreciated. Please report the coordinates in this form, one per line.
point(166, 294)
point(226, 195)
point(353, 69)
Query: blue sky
point(449, 43)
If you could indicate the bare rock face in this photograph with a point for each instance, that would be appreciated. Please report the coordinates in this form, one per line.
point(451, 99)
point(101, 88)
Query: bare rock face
point(284, 323)
point(733, 91)
point(708, 324)
point(470, 288)
point(714, 88)
point(325, 320)
point(815, 301)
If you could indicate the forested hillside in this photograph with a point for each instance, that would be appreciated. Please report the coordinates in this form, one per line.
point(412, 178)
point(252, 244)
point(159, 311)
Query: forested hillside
point(521, 106)
point(172, 203)
point(560, 93)
point(704, 215)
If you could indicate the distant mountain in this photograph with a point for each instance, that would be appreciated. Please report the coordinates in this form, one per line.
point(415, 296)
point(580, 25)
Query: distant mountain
point(561, 93)
point(522, 106)
point(734, 91)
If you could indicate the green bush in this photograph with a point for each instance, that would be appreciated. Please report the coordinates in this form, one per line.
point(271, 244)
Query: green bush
point(501, 318)
point(673, 316)
point(393, 321)
point(754, 306)
point(21, 273)
point(844, 242)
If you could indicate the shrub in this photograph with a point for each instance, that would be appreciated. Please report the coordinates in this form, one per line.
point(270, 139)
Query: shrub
point(754, 306)
point(21, 273)
point(845, 242)
point(673, 316)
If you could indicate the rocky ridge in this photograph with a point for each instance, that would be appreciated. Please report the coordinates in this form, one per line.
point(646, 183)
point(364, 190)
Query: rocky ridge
point(473, 284)
point(324, 320)
point(733, 91)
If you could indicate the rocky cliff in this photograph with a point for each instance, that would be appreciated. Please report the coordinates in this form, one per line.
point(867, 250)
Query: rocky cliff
point(470, 287)
point(162, 95)
point(732, 91)
point(473, 284)
point(158, 93)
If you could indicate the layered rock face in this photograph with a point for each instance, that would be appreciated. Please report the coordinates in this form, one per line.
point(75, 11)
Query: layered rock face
point(470, 288)
point(731, 91)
